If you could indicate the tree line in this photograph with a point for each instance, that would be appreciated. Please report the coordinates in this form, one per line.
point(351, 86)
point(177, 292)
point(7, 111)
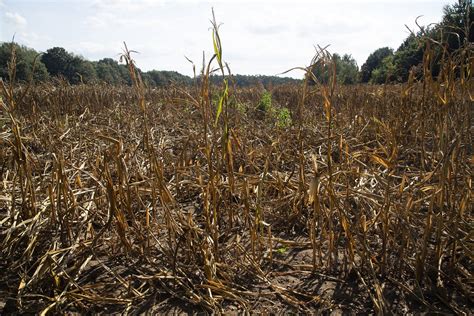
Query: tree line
point(451, 36)
point(384, 65)
point(58, 62)
point(454, 33)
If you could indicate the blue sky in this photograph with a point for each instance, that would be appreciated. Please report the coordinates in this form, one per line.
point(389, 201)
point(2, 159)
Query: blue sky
point(258, 37)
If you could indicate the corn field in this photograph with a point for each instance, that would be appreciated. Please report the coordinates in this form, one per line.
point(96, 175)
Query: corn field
point(192, 199)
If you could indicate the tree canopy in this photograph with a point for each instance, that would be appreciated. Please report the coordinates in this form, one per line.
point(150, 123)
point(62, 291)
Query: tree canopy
point(454, 32)
point(110, 71)
point(75, 69)
point(347, 71)
point(373, 62)
point(157, 78)
point(458, 24)
point(28, 63)
point(58, 62)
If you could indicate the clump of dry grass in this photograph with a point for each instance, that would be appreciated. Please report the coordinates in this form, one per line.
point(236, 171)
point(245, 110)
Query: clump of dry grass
point(179, 203)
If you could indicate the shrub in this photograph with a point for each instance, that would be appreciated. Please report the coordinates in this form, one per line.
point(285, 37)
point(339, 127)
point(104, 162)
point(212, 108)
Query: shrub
point(265, 104)
point(284, 118)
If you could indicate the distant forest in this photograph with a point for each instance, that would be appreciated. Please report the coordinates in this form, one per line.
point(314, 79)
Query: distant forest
point(57, 62)
point(384, 65)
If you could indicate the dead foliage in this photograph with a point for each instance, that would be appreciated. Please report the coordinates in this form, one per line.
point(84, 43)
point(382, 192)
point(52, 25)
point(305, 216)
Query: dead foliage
point(127, 199)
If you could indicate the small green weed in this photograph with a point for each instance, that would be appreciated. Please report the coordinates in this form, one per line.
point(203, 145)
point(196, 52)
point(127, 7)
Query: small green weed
point(265, 104)
point(284, 118)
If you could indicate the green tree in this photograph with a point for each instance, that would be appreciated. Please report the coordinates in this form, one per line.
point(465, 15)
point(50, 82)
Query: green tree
point(110, 71)
point(458, 24)
point(373, 62)
point(81, 70)
point(397, 66)
point(346, 69)
point(75, 69)
point(27, 61)
point(385, 72)
point(408, 55)
point(162, 78)
point(56, 60)
point(455, 31)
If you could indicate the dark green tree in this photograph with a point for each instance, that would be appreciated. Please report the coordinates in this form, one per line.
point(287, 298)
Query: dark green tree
point(110, 71)
point(28, 65)
point(458, 24)
point(57, 61)
point(80, 70)
point(397, 66)
point(162, 78)
point(105, 73)
point(75, 69)
point(408, 55)
point(373, 62)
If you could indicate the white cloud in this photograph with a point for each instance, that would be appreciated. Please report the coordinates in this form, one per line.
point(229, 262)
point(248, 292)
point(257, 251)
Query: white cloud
point(258, 36)
point(16, 19)
point(100, 20)
point(126, 5)
point(117, 13)
point(92, 47)
point(95, 22)
point(268, 29)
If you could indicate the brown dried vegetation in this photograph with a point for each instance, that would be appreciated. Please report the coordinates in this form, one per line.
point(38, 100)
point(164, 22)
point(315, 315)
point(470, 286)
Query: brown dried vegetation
point(132, 200)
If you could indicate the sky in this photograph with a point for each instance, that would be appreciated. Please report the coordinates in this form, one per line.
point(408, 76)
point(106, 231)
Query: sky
point(258, 37)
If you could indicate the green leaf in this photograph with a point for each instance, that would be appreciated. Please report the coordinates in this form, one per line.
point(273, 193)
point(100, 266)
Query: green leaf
point(221, 101)
point(216, 48)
